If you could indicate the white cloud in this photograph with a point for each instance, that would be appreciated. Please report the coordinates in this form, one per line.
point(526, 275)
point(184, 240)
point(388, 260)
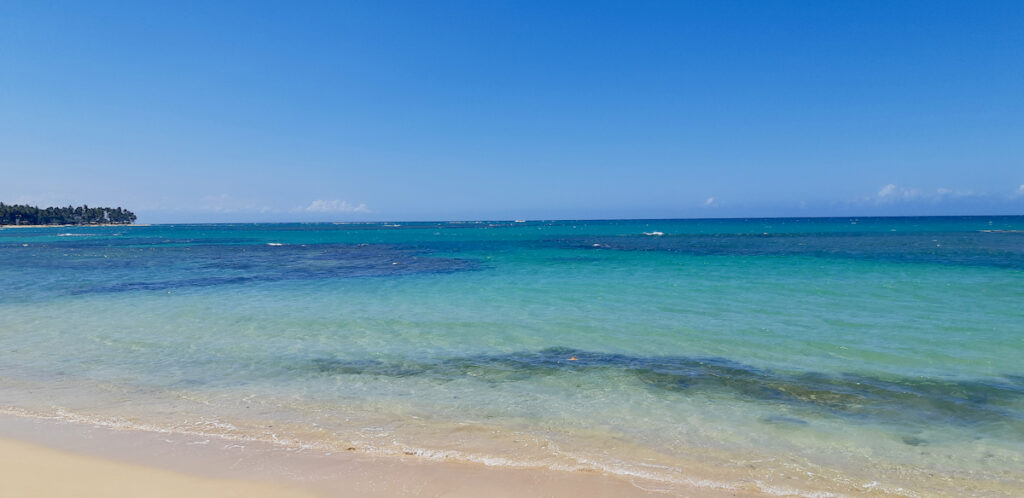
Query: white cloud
point(710, 202)
point(894, 193)
point(333, 206)
point(888, 190)
point(1019, 191)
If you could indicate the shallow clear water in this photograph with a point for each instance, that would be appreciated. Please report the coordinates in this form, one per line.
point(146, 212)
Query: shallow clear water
point(843, 355)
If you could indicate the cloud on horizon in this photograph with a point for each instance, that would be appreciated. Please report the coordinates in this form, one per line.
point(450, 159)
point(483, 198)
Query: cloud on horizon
point(900, 200)
point(893, 193)
point(332, 206)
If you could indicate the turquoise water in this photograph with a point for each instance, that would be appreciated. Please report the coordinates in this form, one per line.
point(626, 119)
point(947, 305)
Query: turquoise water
point(776, 355)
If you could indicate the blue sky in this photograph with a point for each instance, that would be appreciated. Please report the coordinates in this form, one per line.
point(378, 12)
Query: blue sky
point(322, 111)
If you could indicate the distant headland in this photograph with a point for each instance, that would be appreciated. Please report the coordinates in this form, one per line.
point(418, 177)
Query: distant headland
point(23, 214)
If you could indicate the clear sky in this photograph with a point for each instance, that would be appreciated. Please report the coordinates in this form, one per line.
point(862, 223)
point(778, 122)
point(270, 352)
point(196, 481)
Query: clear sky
point(416, 110)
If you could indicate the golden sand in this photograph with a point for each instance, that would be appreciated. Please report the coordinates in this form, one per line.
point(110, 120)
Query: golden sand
point(29, 470)
point(40, 458)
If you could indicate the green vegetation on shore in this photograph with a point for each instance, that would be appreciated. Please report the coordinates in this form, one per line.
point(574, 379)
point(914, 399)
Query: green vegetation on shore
point(23, 214)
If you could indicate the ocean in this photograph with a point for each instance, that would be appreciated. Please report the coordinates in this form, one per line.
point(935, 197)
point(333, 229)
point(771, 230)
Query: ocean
point(807, 356)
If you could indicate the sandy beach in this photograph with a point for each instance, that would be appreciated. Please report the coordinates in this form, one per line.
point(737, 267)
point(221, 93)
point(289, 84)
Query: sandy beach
point(33, 470)
point(56, 459)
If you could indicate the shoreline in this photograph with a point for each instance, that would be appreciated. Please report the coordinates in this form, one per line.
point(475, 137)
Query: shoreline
point(100, 461)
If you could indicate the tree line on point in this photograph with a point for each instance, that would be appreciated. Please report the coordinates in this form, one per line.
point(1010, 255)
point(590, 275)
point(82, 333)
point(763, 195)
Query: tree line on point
point(23, 214)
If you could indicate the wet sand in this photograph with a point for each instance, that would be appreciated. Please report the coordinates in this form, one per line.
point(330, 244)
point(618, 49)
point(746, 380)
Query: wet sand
point(48, 458)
